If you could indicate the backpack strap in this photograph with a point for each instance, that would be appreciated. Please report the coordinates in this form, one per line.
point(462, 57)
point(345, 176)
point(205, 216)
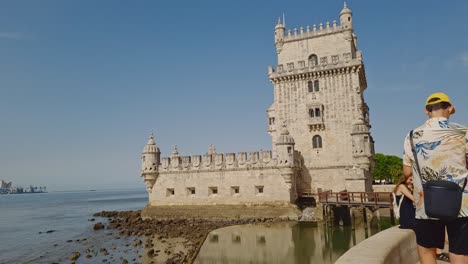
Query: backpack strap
point(415, 155)
point(401, 200)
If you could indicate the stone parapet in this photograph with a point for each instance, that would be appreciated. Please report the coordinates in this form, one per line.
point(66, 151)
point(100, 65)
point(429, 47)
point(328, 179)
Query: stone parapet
point(207, 162)
point(391, 246)
point(315, 31)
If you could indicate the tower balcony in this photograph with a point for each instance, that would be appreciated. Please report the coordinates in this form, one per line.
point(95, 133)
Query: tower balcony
point(315, 123)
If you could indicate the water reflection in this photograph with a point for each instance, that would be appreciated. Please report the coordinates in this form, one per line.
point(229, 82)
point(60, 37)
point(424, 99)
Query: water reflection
point(282, 243)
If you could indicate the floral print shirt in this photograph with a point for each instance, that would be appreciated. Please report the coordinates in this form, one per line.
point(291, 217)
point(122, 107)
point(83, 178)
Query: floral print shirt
point(442, 150)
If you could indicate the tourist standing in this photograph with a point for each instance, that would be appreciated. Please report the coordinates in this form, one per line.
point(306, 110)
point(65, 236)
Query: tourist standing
point(404, 190)
point(441, 149)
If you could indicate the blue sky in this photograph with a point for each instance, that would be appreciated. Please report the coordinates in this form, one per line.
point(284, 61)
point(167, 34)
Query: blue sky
point(83, 83)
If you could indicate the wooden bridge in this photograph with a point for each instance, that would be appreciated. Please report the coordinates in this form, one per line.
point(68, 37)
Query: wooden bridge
point(335, 200)
point(357, 199)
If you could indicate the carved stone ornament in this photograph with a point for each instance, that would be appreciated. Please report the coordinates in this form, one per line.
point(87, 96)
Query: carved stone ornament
point(323, 61)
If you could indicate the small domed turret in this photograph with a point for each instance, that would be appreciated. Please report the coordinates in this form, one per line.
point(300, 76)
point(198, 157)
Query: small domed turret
point(346, 17)
point(285, 138)
point(285, 147)
point(150, 160)
point(151, 146)
point(279, 35)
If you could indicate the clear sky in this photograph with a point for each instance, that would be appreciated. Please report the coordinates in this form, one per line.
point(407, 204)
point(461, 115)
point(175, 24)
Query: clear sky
point(83, 83)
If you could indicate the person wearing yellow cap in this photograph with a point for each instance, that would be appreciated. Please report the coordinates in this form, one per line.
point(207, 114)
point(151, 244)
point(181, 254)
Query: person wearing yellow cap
point(437, 151)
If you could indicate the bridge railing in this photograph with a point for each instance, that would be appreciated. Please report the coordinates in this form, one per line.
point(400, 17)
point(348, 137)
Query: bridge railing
point(377, 199)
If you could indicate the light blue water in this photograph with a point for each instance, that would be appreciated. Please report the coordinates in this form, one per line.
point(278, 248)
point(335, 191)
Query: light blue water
point(23, 216)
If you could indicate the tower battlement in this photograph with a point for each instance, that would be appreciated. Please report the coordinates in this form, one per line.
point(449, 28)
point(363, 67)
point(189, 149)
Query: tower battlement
point(221, 161)
point(314, 31)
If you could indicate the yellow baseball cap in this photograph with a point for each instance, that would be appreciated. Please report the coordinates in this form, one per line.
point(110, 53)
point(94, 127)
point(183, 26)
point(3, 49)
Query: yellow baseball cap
point(436, 98)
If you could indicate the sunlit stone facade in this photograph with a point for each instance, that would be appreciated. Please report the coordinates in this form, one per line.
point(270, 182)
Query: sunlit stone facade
point(319, 124)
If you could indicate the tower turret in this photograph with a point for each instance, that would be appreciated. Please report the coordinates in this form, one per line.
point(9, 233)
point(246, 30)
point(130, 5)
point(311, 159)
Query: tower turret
point(279, 35)
point(285, 155)
point(150, 160)
point(285, 148)
point(346, 17)
point(363, 153)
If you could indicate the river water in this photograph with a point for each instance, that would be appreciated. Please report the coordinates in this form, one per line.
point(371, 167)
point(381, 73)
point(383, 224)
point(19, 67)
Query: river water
point(26, 218)
point(290, 243)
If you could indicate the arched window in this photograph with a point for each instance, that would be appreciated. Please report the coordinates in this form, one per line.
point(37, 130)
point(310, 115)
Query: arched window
point(316, 85)
point(317, 142)
point(313, 60)
point(310, 86)
point(317, 112)
point(311, 112)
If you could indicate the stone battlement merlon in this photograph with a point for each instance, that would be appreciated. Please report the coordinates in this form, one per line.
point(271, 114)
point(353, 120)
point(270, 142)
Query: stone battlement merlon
point(218, 161)
point(301, 34)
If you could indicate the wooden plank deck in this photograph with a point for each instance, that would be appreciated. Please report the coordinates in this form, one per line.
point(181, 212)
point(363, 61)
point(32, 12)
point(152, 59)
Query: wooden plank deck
point(354, 199)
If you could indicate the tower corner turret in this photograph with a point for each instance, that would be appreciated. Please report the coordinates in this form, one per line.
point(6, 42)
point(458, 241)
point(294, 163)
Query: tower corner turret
point(150, 160)
point(346, 17)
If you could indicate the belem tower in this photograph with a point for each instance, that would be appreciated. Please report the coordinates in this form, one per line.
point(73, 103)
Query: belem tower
point(318, 122)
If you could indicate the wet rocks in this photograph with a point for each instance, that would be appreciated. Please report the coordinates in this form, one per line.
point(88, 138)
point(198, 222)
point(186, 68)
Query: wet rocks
point(74, 256)
point(162, 231)
point(98, 226)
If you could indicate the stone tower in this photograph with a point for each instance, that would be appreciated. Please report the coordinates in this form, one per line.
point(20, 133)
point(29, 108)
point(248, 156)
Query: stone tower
point(318, 93)
point(150, 160)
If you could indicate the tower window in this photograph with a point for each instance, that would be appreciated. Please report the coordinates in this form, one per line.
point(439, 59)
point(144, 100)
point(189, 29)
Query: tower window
point(316, 85)
point(310, 86)
point(271, 121)
point(234, 190)
point(170, 192)
point(191, 191)
point(289, 150)
point(212, 190)
point(317, 112)
point(317, 142)
point(258, 189)
point(349, 19)
point(311, 112)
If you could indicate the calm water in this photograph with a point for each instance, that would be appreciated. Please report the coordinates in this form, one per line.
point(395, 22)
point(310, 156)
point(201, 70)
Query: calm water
point(23, 216)
point(284, 243)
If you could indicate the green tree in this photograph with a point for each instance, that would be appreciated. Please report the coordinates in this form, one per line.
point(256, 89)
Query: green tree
point(387, 167)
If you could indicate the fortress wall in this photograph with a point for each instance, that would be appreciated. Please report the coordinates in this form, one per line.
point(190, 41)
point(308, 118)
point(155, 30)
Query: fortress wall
point(327, 178)
point(175, 188)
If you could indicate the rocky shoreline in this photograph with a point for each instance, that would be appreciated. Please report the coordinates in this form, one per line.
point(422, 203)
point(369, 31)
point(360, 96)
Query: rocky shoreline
point(167, 240)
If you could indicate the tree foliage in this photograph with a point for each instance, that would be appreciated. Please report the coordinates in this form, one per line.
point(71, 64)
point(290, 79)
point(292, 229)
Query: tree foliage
point(388, 167)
